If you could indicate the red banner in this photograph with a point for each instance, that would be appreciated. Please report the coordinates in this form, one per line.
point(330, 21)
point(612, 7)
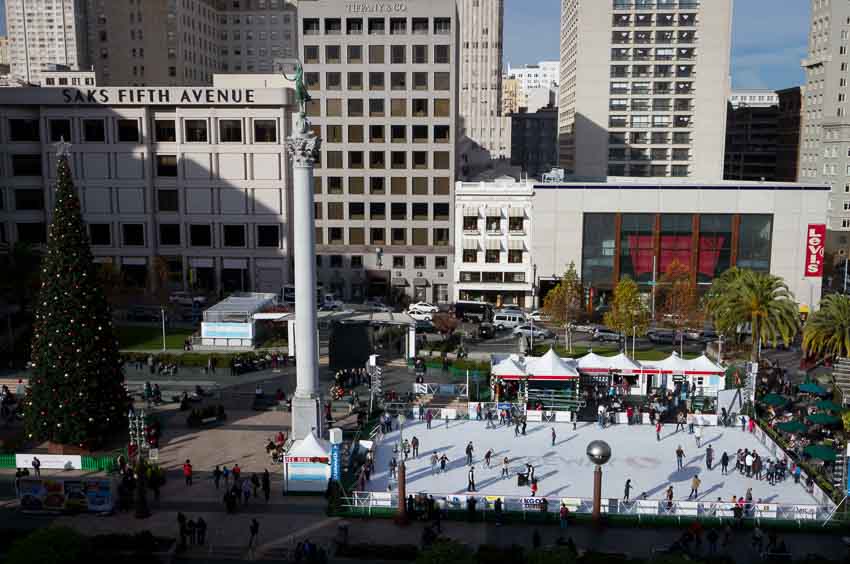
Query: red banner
point(815, 245)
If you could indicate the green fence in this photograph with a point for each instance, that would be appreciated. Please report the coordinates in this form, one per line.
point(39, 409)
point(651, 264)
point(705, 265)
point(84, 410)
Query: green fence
point(7, 461)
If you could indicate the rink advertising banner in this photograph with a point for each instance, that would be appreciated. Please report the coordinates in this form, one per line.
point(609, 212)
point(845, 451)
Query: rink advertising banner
point(815, 245)
point(336, 462)
point(61, 495)
point(50, 461)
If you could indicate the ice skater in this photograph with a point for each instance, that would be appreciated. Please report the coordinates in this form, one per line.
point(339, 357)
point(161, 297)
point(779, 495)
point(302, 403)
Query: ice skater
point(627, 489)
point(443, 461)
point(471, 478)
point(553, 436)
point(658, 427)
point(709, 457)
point(487, 456)
point(695, 483)
point(505, 468)
point(434, 461)
point(469, 450)
point(680, 458)
point(698, 435)
point(724, 463)
point(414, 444)
point(393, 466)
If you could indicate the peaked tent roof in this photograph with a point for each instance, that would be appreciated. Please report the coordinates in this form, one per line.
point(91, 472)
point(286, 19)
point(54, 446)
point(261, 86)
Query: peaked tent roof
point(510, 367)
point(550, 367)
point(673, 364)
point(623, 363)
point(310, 446)
point(704, 366)
point(592, 362)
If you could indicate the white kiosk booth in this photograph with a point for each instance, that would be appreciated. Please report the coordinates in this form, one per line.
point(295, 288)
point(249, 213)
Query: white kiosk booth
point(307, 465)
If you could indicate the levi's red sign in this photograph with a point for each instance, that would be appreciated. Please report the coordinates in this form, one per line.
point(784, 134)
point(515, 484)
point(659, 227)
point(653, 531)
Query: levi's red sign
point(815, 244)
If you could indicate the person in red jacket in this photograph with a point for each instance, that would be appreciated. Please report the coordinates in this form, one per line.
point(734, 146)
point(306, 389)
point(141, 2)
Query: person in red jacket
point(187, 472)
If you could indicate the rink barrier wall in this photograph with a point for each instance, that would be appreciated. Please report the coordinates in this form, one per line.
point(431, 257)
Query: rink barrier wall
point(385, 504)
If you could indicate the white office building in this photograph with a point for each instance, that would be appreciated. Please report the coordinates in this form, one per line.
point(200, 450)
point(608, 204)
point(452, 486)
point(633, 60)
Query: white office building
point(753, 99)
point(644, 87)
point(196, 179)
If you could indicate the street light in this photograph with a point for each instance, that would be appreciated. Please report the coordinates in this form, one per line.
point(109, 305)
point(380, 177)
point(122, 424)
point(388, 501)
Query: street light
point(599, 453)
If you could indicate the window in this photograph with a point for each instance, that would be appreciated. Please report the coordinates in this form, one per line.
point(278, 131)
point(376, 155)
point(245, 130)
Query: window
point(355, 133)
point(398, 81)
point(265, 131)
point(356, 236)
point(420, 107)
point(335, 236)
point(442, 26)
point(355, 81)
point(353, 26)
point(441, 54)
point(196, 131)
point(376, 54)
point(398, 107)
point(441, 186)
point(128, 131)
point(333, 134)
point(441, 160)
point(167, 200)
point(234, 235)
point(376, 26)
point(32, 233)
point(754, 242)
point(398, 211)
point(356, 210)
point(420, 26)
point(441, 107)
point(166, 165)
point(26, 165)
point(376, 81)
point(377, 210)
point(332, 54)
point(355, 107)
point(420, 159)
point(419, 236)
point(398, 262)
point(515, 256)
point(470, 255)
point(356, 185)
point(442, 81)
point(377, 185)
point(165, 131)
point(441, 237)
point(29, 199)
point(133, 234)
point(94, 131)
point(230, 130)
point(22, 130)
point(398, 54)
point(398, 186)
point(376, 107)
point(420, 55)
point(420, 81)
point(398, 159)
point(419, 262)
point(333, 107)
point(100, 234)
point(60, 129)
point(398, 26)
point(311, 54)
point(355, 54)
point(441, 211)
point(420, 186)
point(169, 234)
point(335, 210)
point(313, 80)
point(399, 236)
point(376, 133)
point(333, 81)
point(598, 249)
point(355, 160)
point(317, 210)
point(378, 235)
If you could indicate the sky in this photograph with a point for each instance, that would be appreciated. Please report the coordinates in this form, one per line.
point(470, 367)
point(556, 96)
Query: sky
point(769, 38)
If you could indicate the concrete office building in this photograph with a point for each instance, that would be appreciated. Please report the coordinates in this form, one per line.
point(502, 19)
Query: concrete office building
point(385, 104)
point(510, 95)
point(534, 141)
point(753, 98)
point(625, 226)
point(4, 55)
point(253, 33)
point(195, 179)
point(825, 127)
point(643, 87)
point(484, 135)
point(43, 32)
point(536, 84)
point(751, 136)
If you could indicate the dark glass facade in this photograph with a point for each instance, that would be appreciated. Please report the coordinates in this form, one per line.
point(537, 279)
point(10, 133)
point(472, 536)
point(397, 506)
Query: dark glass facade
point(635, 244)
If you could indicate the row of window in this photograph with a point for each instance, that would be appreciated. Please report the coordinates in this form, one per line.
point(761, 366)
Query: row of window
point(441, 160)
point(377, 26)
point(355, 107)
point(398, 185)
point(644, 121)
point(493, 256)
point(656, 20)
point(493, 224)
point(650, 104)
point(648, 54)
point(655, 154)
point(377, 55)
point(653, 4)
point(492, 277)
point(658, 37)
point(646, 170)
point(398, 236)
point(398, 81)
point(399, 211)
point(656, 88)
point(649, 138)
point(194, 235)
point(378, 133)
point(94, 130)
point(398, 261)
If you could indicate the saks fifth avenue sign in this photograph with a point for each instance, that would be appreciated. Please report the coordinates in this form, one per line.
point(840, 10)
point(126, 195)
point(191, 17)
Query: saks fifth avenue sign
point(156, 96)
point(375, 7)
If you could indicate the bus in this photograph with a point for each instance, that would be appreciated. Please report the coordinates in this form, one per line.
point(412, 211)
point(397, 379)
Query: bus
point(474, 311)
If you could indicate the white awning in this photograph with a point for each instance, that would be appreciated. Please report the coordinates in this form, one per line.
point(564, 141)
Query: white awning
point(494, 245)
point(494, 212)
point(516, 212)
point(516, 245)
point(470, 245)
point(471, 212)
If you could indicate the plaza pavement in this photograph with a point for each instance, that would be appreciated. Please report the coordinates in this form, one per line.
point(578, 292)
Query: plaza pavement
point(564, 470)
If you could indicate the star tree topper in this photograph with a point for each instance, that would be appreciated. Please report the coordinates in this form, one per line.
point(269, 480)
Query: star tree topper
point(63, 148)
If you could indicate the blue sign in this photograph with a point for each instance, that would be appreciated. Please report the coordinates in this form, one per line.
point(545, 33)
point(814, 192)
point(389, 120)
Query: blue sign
point(335, 462)
point(503, 406)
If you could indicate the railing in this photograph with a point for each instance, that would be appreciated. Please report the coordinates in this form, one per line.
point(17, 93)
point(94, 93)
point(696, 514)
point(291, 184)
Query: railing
point(441, 389)
point(376, 503)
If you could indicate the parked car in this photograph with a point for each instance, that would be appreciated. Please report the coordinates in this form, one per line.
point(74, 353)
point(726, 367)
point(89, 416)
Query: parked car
point(585, 328)
point(504, 321)
point(662, 337)
point(424, 326)
point(538, 316)
point(606, 335)
point(186, 298)
point(420, 315)
point(486, 331)
point(532, 331)
point(693, 334)
point(709, 335)
point(423, 307)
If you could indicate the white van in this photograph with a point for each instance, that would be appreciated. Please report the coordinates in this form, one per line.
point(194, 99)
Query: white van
point(508, 320)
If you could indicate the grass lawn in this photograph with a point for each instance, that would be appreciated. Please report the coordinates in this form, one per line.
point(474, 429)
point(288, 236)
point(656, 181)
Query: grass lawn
point(142, 337)
point(607, 350)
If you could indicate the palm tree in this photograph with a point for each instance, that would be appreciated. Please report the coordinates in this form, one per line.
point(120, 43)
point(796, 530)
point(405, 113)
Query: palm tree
point(763, 300)
point(827, 331)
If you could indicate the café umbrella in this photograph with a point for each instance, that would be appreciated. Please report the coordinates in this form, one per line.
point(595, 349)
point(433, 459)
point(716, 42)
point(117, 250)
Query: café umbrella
point(811, 388)
point(792, 427)
point(823, 419)
point(774, 399)
point(821, 452)
point(828, 405)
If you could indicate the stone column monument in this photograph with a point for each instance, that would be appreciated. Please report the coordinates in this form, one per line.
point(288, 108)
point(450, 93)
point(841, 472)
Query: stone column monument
point(303, 147)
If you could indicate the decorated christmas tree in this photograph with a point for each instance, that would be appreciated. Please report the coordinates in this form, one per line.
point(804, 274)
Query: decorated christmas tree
point(76, 395)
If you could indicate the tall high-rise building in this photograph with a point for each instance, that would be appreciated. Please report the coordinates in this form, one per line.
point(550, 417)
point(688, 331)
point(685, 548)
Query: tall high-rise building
point(825, 125)
point(45, 32)
point(535, 82)
point(643, 87)
point(484, 135)
point(254, 33)
point(788, 133)
point(385, 104)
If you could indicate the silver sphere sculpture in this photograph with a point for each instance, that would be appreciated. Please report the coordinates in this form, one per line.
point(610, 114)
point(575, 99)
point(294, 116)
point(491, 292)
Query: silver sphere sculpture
point(599, 452)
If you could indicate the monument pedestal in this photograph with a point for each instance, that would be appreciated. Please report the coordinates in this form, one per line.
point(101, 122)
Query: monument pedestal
point(306, 417)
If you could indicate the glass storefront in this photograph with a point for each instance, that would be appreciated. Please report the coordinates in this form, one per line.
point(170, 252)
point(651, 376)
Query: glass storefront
point(644, 242)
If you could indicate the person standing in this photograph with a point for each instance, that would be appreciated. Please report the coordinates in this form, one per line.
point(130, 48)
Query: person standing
point(695, 483)
point(246, 491)
point(563, 515)
point(669, 496)
point(516, 429)
point(267, 484)
point(524, 423)
point(724, 463)
point(487, 457)
point(434, 460)
point(709, 457)
point(680, 422)
point(443, 461)
point(216, 476)
point(191, 532)
point(201, 530)
point(237, 472)
point(255, 484)
point(553, 436)
point(600, 416)
point(36, 467)
point(748, 464)
point(627, 489)
point(471, 479)
point(698, 435)
point(254, 530)
point(469, 451)
point(393, 465)
point(505, 463)
point(181, 524)
point(428, 418)
point(187, 472)
point(533, 488)
point(680, 458)
point(658, 428)
point(414, 444)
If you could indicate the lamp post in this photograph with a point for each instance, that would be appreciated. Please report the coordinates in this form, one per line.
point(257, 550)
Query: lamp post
point(599, 453)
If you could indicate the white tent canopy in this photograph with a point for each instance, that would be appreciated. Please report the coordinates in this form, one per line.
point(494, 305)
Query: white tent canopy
point(704, 366)
point(673, 364)
point(623, 364)
point(511, 368)
point(550, 367)
point(310, 447)
point(592, 362)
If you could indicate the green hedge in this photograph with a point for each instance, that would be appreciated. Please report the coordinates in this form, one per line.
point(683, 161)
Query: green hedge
point(195, 359)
